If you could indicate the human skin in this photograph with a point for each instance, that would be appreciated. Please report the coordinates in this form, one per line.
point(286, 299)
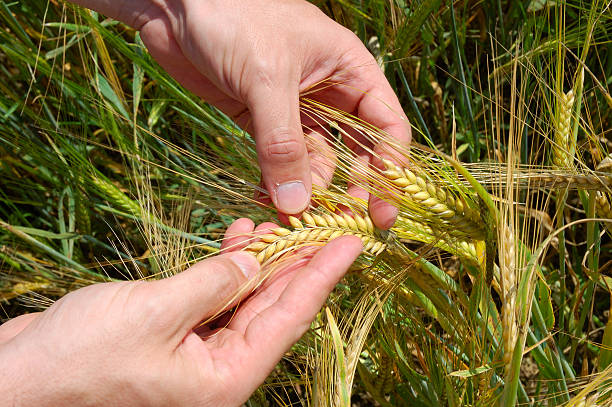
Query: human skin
point(251, 59)
point(141, 343)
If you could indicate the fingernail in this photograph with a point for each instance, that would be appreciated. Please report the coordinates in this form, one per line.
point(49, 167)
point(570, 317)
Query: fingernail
point(246, 262)
point(291, 197)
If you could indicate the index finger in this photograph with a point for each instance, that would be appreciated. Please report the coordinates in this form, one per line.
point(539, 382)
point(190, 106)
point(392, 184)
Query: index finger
point(378, 105)
point(361, 88)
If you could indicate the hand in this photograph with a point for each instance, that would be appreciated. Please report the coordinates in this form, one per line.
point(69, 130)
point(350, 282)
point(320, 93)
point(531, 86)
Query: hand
point(251, 59)
point(136, 343)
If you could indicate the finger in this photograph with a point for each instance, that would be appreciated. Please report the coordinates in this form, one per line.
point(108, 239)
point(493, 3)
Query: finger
point(281, 148)
point(265, 227)
point(380, 107)
point(356, 188)
point(243, 232)
point(261, 196)
point(209, 287)
point(270, 290)
point(13, 327)
point(382, 212)
point(266, 295)
point(279, 326)
point(237, 236)
point(322, 157)
point(363, 88)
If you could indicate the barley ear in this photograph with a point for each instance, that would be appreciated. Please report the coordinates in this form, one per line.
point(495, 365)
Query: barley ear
point(315, 229)
point(508, 283)
point(457, 216)
point(562, 147)
point(603, 206)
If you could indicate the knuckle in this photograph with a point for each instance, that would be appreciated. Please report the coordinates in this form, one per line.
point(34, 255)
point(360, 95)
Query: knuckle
point(265, 72)
point(149, 304)
point(227, 282)
point(282, 146)
point(268, 69)
point(355, 53)
point(350, 40)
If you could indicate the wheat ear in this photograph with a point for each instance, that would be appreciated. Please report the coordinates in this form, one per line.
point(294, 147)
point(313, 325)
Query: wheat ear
point(440, 202)
point(316, 229)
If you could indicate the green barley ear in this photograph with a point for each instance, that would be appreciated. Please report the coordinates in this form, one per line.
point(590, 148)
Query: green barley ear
point(466, 249)
point(114, 195)
point(83, 220)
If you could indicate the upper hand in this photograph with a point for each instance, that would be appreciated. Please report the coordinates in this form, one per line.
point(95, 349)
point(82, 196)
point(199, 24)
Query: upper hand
point(251, 59)
point(141, 343)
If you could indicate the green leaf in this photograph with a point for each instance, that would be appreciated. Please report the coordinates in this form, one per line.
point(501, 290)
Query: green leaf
point(471, 372)
point(7, 15)
point(345, 398)
point(69, 27)
point(46, 234)
point(61, 50)
point(110, 95)
point(545, 303)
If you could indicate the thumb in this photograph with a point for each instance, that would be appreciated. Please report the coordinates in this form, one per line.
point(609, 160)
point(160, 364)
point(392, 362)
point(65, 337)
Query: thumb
point(281, 147)
point(205, 289)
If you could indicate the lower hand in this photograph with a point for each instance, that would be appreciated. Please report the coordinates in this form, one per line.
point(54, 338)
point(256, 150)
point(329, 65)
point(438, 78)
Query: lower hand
point(141, 343)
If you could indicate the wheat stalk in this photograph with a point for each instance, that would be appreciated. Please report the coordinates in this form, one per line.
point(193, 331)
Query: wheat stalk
point(454, 211)
point(562, 148)
point(316, 229)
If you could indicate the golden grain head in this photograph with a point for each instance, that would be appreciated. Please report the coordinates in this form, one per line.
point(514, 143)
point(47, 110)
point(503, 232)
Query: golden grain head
point(313, 230)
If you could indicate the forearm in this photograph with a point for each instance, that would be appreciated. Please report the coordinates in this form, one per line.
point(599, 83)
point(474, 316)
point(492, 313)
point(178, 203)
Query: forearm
point(134, 13)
